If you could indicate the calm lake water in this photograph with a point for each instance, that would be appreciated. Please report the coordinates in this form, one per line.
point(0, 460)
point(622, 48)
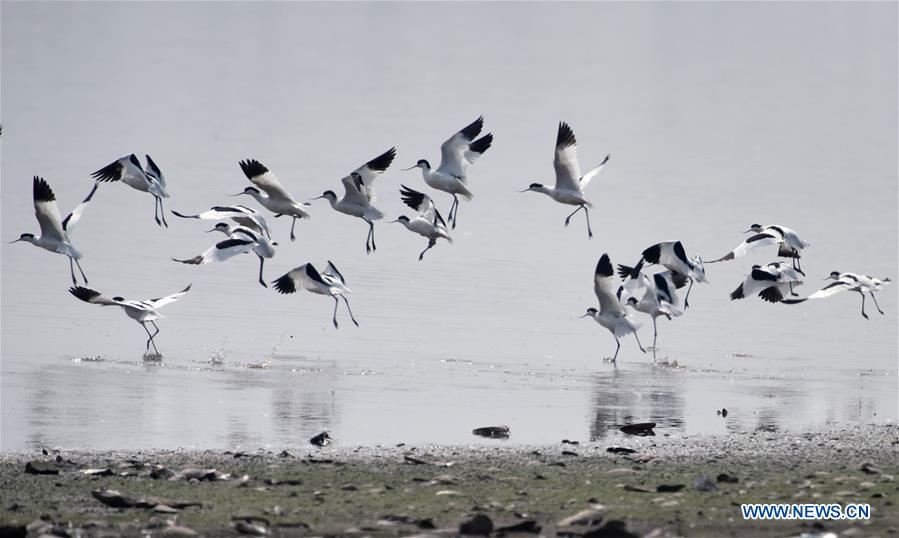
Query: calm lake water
point(717, 115)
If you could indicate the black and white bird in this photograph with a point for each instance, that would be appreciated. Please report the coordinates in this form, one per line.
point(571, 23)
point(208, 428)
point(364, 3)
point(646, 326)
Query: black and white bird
point(848, 282)
point(329, 282)
point(771, 282)
point(654, 295)
point(359, 194)
point(456, 155)
point(672, 256)
point(611, 314)
point(55, 232)
point(570, 184)
point(428, 223)
point(276, 198)
point(128, 170)
point(789, 243)
point(141, 311)
point(241, 240)
point(241, 214)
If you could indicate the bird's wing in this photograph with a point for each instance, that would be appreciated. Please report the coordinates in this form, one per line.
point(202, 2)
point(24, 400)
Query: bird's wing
point(832, 288)
point(478, 147)
point(333, 271)
point(584, 181)
point(353, 194)
point(568, 172)
point(422, 203)
point(752, 243)
point(260, 176)
point(452, 152)
point(123, 169)
point(46, 210)
point(72, 219)
point(154, 172)
point(372, 169)
point(221, 251)
point(162, 301)
point(605, 287)
point(665, 287)
point(91, 296)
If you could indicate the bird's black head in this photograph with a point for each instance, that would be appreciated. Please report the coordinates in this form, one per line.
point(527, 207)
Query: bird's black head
point(329, 194)
point(535, 185)
point(756, 266)
point(592, 311)
point(250, 189)
point(422, 163)
point(632, 301)
point(402, 218)
point(117, 298)
point(26, 236)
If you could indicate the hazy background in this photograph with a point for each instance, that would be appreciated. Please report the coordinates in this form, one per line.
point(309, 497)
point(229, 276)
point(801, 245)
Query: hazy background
point(717, 115)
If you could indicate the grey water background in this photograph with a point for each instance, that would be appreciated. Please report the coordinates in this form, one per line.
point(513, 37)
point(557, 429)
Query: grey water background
point(717, 115)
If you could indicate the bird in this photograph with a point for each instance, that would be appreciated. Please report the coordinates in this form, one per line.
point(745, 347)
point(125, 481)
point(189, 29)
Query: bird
point(55, 233)
point(611, 314)
point(276, 199)
point(428, 223)
point(359, 194)
point(672, 256)
point(570, 184)
point(789, 243)
point(241, 240)
point(848, 282)
point(128, 170)
point(241, 214)
point(654, 295)
point(141, 311)
point(329, 282)
point(771, 282)
point(456, 155)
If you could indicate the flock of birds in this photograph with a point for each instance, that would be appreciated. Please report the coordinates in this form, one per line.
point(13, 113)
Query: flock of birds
point(633, 289)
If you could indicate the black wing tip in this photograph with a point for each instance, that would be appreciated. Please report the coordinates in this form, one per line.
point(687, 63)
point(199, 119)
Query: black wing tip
point(565, 137)
point(313, 273)
point(653, 253)
point(624, 271)
point(737, 293)
point(196, 260)
point(794, 301)
point(481, 144)
point(252, 168)
point(473, 129)
point(285, 285)
point(110, 172)
point(411, 197)
point(604, 266)
point(42, 191)
point(85, 294)
point(383, 161)
point(771, 294)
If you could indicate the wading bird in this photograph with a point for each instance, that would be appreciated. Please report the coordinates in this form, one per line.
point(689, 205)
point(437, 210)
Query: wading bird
point(240, 214)
point(241, 240)
point(611, 314)
point(55, 234)
point(848, 282)
point(141, 311)
point(276, 198)
point(672, 256)
point(456, 154)
point(653, 295)
point(771, 282)
point(570, 184)
point(329, 282)
point(428, 223)
point(359, 194)
point(127, 169)
point(789, 243)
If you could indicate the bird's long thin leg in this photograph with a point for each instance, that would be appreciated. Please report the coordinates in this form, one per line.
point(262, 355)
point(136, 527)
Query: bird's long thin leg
point(261, 263)
point(863, 304)
point(150, 340)
point(336, 302)
point(616, 349)
point(638, 342)
point(372, 232)
point(568, 218)
point(431, 243)
point(368, 238)
point(72, 270)
point(687, 298)
point(81, 271)
point(655, 334)
point(455, 210)
point(348, 309)
point(156, 210)
point(162, 213)
point(587, 215)
point(292, 224)
point(791, 290)
point(875, 302)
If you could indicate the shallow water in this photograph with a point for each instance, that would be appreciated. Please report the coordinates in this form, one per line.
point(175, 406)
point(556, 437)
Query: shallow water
point(716, 116)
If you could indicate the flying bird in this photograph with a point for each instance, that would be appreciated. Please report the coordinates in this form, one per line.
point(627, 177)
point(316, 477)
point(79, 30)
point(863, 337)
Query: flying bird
point(55, 233)
point(611, 314)
point(428, 223)
point(570, 184)
point(241, 214)
point(771, 282)
point(848, 282)
point(456, 155)
point(128, 170)
point(789, 243)
point(141, 311)
point(654, 295)
point(329, 282)
point(276, 198)
point(672, 256)
point(241, 240)
point(359, 194)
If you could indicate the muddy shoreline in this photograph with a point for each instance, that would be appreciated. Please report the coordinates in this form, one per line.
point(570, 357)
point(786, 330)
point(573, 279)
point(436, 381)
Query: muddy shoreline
point(684, 486)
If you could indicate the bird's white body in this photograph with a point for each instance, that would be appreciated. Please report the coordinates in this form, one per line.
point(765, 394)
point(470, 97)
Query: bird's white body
point(276, 198)
point(771, 282)
point(861, 284)
point(262, 246)
point(612, 314)
point(128, 170)
point(673, 256)
point(653, 295)
point(329, 282)
point(241, 214)
point(446, 182)
point(790, 244)
point(564, 195)
point(241, 240)
point(428, 222)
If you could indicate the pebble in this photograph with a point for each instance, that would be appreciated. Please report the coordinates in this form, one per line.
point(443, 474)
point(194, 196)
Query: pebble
point(494, 432)
point(164, 509)
point(868, 468)
point(585, 517)
point(727, 478)
point(641, 429)
point(479, 525)
point(704, 483)
point(41, 467)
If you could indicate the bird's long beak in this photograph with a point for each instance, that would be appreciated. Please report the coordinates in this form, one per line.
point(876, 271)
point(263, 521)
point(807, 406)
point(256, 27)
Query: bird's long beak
point(526, 190)
point(238, 194)
point(410, 168)
point(584, 316)
point(209, 231)
point(392, 221)
point(16, 241)
point(747, 231)
point(318, 197)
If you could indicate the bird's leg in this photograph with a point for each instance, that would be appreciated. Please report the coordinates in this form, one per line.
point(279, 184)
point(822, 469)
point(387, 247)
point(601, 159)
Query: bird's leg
point(369, 240)
point(638, 342)
point(349, 310)
point(372, 232)
point(261, 263)
point(568, 218)
point(455, 210)
point(336, 303)
point(587, 215)
point(431, 243)
point(156, 210)
point(292, 224)
point(72, 270)
point(162, 213)
point(687, 297)
point(875, 302)
point(655, 334)
point(150, 340)
point(863, 304)
point(794, 294)
point(616, 349)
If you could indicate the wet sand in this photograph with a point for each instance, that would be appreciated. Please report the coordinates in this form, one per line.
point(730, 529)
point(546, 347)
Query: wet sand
point(431, 490)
